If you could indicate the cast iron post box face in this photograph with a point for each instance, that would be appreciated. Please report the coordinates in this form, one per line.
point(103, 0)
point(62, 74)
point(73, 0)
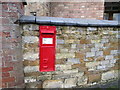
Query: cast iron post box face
point(47, 48)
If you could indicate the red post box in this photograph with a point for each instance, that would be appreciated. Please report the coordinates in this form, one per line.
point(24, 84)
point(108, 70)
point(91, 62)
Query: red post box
point(47, 48)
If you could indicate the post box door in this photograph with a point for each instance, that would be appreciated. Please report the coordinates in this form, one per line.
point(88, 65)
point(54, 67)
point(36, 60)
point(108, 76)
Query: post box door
point(47, 48)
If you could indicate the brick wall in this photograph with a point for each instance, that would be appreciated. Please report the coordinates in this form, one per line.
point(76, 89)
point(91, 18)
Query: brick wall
point(84, 56)
point(12, 66)
point(41, 8)
point(92, 10)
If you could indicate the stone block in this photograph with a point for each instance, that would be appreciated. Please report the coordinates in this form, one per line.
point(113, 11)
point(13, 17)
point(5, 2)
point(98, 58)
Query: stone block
point(94, 78)
point(30, 79)
point(94, 49)
point(91, 29)
point(106, 52)
point(30, 39)
point(60, 41)
point(64, 50)
point(98, 45)
point(80, 55)
point(69, 41)
point(43, 77)
point(69, 83)
point(92, 64)
point(104, 62)
point(70, 71)
point(73, 46)
point(84, 41)
point(34, 85)
point(73, 61)
point(28, 69)
point(65, 55)
point(30, 27)
point(109, 75)
point(102, 67)
point(63, 67)
point(31, 63)
point(31, 56)
point(61, 76)
point(99, 53)
point(109, 57)
point(114, 52)
point(82, 80)
point(90, 54)
point(53, 84)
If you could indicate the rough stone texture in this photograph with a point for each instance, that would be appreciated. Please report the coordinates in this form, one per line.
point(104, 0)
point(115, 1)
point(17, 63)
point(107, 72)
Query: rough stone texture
point(109, 75)
point(69, 83)
point(53, 84)
point(83, 56)
point(94, 78)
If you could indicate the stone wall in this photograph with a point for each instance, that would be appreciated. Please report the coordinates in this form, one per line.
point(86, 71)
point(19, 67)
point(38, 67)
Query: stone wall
point(11, 65)
point(84, 56)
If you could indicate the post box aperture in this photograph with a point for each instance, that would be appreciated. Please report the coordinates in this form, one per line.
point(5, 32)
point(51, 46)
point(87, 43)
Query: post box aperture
point(47, 48)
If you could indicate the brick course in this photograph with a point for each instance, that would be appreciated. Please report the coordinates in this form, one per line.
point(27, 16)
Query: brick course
point(11, 45)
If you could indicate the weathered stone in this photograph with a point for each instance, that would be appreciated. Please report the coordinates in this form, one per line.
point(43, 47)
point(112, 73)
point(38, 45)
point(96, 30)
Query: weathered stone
point(28, 69)
point(106, 52)
point(53, 84)
point(80, 55)
point(73, 61)
point(60, 61)
point(94, 78)
point(60, 41)
point(92, 64)
point(71, 82)
point(94, 49)
point(110, 57)
point(30, 79)
point(82, 80)
point(31, 56)
point(63, 67)
point(31, 63)
point(99, 53)
point(114, 52)
point(98, 45)
point(61, 76)
point(104, 62)
point(84, 41)
point(44, 77)
point(30, 27)
point(102, 67)
point(109, 75)
point(70, 71)
point(30, 39)
point(69, 41)
point(91, 29)
point(73, 45)
point(34, 85)
point(32, 74)
point(90, 54)
point(63, 50)
point(65, 55)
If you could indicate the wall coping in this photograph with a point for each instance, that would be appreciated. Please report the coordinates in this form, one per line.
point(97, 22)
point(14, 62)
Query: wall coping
point(58, 21)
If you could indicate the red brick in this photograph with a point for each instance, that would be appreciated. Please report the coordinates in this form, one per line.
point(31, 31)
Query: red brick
point(4, 85)
point(6, 69)
point(5, 74)
point(8, 79)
